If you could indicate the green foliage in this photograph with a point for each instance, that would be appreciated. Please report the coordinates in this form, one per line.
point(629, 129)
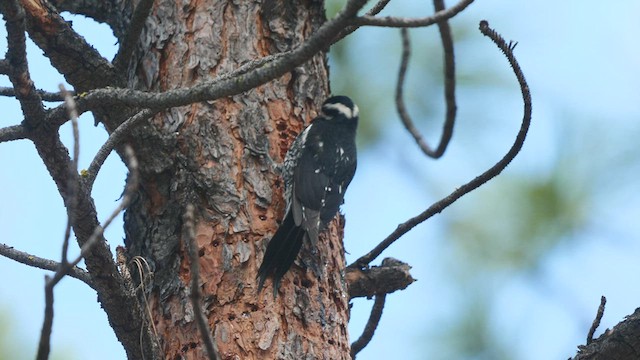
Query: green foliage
point(512, 224)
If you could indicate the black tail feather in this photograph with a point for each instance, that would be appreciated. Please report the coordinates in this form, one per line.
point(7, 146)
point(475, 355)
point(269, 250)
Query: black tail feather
point(281, 252)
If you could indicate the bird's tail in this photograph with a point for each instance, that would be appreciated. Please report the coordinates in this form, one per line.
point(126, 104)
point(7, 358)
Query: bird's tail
point(281, 252)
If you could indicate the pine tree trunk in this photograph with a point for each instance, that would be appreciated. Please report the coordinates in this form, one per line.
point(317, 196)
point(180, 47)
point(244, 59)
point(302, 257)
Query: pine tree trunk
point(207, 154)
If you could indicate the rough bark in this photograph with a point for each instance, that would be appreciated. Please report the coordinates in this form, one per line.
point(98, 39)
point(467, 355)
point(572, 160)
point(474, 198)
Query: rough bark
point(621, 342)
point(207, 154)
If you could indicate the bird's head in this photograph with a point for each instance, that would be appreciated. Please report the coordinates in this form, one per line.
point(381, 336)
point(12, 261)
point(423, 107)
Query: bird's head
point(340, 107)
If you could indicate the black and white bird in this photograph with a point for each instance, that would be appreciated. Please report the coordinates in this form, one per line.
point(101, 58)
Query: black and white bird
point(317, 170)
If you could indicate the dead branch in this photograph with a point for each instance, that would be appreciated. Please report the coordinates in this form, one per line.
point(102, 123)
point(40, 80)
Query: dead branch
point(390, 21)
point(42, 263)
point(18, 70)
point(390, 276)
point(114, 139)
point(482, 178)
point(81, 64)
point(370, 327)
point(596, 321)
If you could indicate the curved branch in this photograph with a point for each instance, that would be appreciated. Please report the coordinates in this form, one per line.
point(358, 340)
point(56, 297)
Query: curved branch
point(370, 328)
point(114, 139)
point(492, 172)
point(449, 89)
point(390, 21)
point(226, 85)
point(246, 77)
point(379, 6)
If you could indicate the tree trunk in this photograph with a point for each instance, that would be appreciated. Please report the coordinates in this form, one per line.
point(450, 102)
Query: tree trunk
point(208, 154)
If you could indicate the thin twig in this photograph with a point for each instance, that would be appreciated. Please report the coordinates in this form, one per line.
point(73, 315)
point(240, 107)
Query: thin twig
point(375, 10)
point(130, 188)
point(400, 106)
point(42, 263)
point(370, 328)
point(72, 184)
point(596, 321)
point(449, 80)
point(201, 320)
point(482, 178)
point(65, 267)
point(44, 345)
point(390, 21)
point(114, 139)
point(449, 76)
point(138, 19)
point(45, 95)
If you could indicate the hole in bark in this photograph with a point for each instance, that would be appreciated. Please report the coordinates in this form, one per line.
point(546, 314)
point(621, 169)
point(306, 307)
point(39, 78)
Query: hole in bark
point(306, 283)
point(331, 341)
point(252, 307)
point(321, 289)
point(201, 252)
point(231, 317)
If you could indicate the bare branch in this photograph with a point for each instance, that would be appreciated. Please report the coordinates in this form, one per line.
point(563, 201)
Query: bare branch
point(81, 64)
point(18, 70)
point(72, 186)
point(115, 13)
point(226, 85)
point(189, 237)
point(370, 328)
point(114, 139)
point(391, 21)
point(44, 345)
point(449, 72)
point(482, 178)
point(42, 263)
point(121, 305)
point(11, 133)
point(379, 6)
point(136, 25)
point(130, 188)
point(596, 321)
point(65, 267)
point(621, 342)
point(45, 95)
point(390, 276)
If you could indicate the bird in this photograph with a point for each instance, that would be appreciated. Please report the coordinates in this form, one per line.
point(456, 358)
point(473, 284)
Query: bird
point(316, 172)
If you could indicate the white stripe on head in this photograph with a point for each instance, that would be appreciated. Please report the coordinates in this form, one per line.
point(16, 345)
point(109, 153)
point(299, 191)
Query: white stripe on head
point(343, 109)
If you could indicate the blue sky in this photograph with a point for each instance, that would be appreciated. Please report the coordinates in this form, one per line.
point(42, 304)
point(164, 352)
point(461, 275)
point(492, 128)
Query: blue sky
point(583, 65)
